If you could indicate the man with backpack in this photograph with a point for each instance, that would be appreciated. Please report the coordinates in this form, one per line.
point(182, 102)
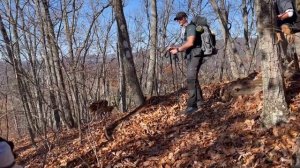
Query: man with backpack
point(194, 55)
point(288, 20)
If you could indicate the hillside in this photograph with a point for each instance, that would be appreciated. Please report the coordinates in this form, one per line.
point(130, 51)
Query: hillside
point(226, 132)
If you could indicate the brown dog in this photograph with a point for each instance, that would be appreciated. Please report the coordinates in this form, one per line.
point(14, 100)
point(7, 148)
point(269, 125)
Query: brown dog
point(100, 109)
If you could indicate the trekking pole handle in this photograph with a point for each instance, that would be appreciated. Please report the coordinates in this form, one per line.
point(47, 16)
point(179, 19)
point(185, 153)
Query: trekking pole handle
point(166, 54)
point(167, 51)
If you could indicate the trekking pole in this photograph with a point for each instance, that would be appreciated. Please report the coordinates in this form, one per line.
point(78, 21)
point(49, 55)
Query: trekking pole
point(176, 59)
point(172, 71)
point(168, 54)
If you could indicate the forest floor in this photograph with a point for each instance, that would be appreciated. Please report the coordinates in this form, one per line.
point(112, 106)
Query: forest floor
point(226, 132)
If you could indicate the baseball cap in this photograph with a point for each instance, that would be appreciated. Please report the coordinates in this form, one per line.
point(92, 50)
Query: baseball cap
point(7, 158)
point(180, 15)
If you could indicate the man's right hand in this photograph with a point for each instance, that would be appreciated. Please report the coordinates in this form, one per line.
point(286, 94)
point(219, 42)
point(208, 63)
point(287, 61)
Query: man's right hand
point(174, 51)
point(169, 48)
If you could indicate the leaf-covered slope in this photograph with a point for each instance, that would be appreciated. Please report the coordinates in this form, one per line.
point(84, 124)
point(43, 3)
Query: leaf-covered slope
point(221, 134)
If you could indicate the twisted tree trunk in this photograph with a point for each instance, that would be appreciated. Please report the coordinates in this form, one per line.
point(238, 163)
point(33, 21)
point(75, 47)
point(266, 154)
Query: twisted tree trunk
point(126, 53)
point(275, 109)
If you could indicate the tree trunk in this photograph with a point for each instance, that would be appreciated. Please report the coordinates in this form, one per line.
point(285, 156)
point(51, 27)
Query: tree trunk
point(222, 64)
point(245, 14)
point(32, 108)
point(33, 62)
point(57, 66)
point(153, 45)
point(50, 74)
point(126, 53)
point(73, 81)
point(122, 82)
point(18, 73)
point(275, 108)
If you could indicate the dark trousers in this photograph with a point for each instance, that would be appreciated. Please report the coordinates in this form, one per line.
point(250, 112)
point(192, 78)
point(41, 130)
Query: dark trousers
point(194, 90)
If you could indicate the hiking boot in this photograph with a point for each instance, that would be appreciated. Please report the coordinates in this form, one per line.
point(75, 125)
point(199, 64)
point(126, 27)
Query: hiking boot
point(190, 110)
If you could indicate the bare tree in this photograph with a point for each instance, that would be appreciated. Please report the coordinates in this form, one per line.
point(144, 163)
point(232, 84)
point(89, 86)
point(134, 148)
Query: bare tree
point(49, 75)
point(275, 108)
point(101, 77)
point(126, 52)
point(245, 14)
point(122, 82)
point(153, 49)
point(57, 66)
point(15, 61)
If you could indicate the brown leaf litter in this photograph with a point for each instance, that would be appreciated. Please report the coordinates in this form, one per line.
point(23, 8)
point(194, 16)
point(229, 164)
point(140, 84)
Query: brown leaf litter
point(226, 132)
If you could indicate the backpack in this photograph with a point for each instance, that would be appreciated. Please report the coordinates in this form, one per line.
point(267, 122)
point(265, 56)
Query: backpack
point(208, 39)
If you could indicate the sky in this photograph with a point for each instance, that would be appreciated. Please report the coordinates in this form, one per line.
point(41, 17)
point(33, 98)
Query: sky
point(134, 10)
point(136, 6)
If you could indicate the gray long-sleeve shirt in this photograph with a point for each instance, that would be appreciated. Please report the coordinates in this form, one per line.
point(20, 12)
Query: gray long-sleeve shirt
point(283, 6)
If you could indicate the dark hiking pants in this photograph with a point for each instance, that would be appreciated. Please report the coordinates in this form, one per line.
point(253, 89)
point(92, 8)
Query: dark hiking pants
point(194, 90)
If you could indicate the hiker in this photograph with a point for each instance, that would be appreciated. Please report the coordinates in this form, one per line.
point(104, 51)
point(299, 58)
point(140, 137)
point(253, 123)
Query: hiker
point(7, 157)
point(192, 48)
point(288, 21)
